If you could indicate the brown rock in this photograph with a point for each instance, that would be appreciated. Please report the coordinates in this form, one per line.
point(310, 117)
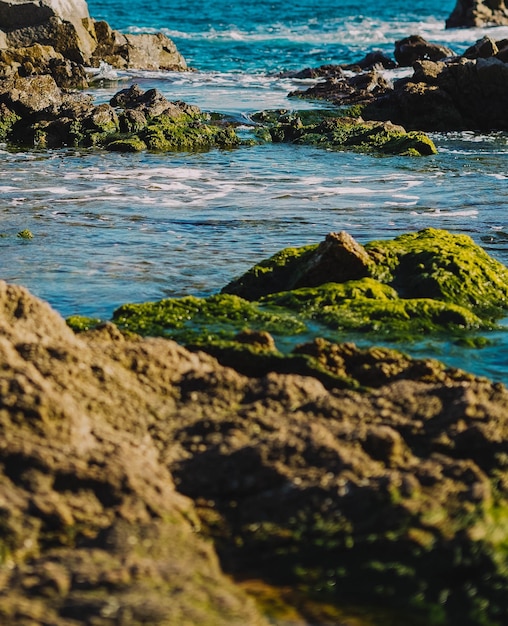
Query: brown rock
point(478, 13)
point(149, 52)
point(59, 23)
point(31, 95)
point(38, 59)
point(337, 259)
point(416, 48)
point(118, 455)
point(483, 48)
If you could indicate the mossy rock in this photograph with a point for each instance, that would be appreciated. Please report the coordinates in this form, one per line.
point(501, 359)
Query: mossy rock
point(370, 306)
point(203, 321)
point(429, 264)
point(416, 285)
point(337, 131)
point(128, 144)
point(187, 133)
point(437, 264)
point(7, 121)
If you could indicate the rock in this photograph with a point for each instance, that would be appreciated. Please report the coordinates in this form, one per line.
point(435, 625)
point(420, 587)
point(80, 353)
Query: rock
point(420, 284)
point(66, 26)
point(341, 89)
point(135, 473)
point(483, 48)
point(459, 95)
point(341, 132)
point(91, 523)
point(149, 52)
point(478, 13)
point(38, 59)
point(416, 48)
point(35, 111)
point(63, 24)
point(372, 61)
point(31, 95)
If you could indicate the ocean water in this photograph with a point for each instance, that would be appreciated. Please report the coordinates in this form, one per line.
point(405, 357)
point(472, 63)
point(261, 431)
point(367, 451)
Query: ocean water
point(111, 228)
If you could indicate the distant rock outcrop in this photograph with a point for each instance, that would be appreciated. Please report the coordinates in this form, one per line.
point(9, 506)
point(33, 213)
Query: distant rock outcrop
point(467, 92)
point(66, 31)
point(64, 24)
point(474, 13)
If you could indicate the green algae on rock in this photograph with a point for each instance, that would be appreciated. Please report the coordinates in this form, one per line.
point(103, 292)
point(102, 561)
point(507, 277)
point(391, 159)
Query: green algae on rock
point(203, 320)
point(429, 282)
point(341, 132)
point(132, 121)
point(437, 264)
point(448, 276)
point(370, 306)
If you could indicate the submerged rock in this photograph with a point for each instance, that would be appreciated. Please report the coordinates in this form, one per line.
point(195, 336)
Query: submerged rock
point(131, 468)
point(331, 130)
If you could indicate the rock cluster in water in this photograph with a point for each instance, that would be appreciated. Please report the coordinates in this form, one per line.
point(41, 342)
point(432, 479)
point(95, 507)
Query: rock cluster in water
point(143, 483)
point(35, 112)
point(445, 91)
point(420, 284)
point(60, 38)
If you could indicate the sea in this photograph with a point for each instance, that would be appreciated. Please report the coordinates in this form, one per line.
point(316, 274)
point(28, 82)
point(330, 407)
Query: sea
point(111, 228)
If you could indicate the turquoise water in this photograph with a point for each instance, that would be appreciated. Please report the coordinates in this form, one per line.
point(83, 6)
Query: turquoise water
point(269, 36)
point(112, 228)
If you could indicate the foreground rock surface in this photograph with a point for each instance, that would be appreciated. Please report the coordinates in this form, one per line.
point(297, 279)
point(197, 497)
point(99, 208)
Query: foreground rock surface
point(119, 457)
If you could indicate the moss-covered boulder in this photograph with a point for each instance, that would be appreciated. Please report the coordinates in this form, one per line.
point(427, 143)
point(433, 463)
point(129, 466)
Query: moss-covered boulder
point(426, 283)
point(34, 111)
point(342, 133)
point(430, 263)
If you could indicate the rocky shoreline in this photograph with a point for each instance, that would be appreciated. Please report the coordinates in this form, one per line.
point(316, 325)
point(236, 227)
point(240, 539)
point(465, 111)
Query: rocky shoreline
point(175, 465)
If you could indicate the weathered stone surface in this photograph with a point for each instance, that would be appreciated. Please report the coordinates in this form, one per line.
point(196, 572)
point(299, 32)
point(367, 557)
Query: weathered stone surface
point(119, 455)
point(38, 59)
point(483, 48)
point(341, 89)
point(150, 51)
point(67, 26)
point(455, 93)
point(458, 95)
point(92, 528)
point(416, 48)
point(63, 24)
point(474, 13)
point(31, 95)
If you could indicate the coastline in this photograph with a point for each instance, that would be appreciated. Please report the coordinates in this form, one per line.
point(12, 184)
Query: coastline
point(225, 482)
